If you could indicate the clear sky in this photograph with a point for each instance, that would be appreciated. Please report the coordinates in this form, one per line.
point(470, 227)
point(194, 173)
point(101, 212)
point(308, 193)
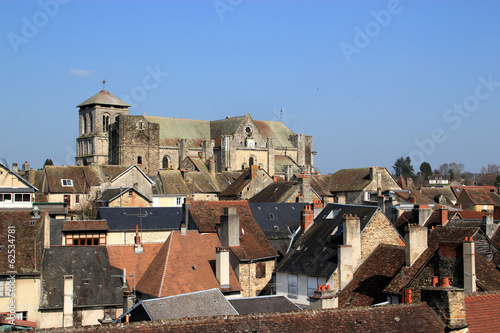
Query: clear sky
point(370, 80)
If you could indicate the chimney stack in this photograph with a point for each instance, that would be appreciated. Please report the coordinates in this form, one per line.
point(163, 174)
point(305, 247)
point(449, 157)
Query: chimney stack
point(488, 227)
point(381, 203)
point(306, 218)
point(416, 243)
point(185, 215)
point(323, 298)
point(137, 241)
point(352, 236)
point(305, 189)
point(26, 166)
point(222, 266)
point(128, 296)
point(345, 263)
point(288, 172)
point(317, 207)
point(443, 215)
point(420, 214)
point(469, 266)
point(46, 231)
point(14, 167)
point(68, 301)
point(449, 305)
point(230, 228)
point(211, 167)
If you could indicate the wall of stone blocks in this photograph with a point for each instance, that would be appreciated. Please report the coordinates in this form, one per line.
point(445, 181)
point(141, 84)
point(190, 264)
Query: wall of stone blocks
point(379, 230)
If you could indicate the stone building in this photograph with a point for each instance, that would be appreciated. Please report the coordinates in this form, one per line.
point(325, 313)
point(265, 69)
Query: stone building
point(109, 135)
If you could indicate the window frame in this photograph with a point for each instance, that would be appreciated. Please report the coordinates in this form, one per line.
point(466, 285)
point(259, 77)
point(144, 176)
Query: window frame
point(293, 285)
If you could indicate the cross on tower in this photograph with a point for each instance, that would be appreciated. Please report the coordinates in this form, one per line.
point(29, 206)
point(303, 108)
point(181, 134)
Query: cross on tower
point(103, 84)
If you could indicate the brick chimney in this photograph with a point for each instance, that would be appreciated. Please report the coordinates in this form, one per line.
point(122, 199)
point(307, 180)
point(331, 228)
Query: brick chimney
point(345, 264)
point(68, 301)
point(317, 207)
point(416, 242)
point(352, 236)
point(230, 228)
point(306, 218)
point(185, 215)
point(137, 241)
point(305, 189)
point(488, 227)
point(420, 214)
point(443, 215)
point(449, 305)
point(469, 265)
point(222, 266)
point(323, 298)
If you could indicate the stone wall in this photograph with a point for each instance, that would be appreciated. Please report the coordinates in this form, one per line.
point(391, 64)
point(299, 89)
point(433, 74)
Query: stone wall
point(379, 230)
point(257, 284)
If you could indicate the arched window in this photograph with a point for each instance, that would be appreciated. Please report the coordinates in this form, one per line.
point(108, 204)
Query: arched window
point(166, 162)
point(139, 160)
point(105, 122)
point(91, 123)
point(84, 124)
point(251, 161)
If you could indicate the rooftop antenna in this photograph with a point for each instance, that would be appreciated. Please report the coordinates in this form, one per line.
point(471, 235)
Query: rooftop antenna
point(103, 84)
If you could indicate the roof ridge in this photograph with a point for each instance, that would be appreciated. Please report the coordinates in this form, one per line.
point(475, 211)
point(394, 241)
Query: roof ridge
point(166, 264)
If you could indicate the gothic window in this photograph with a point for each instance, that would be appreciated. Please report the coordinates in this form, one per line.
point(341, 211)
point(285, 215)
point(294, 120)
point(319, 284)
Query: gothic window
point(166, 162)
point(91, 123)
point(105, 122)
point(84, 124)
point(139, 160)
point(252, 161)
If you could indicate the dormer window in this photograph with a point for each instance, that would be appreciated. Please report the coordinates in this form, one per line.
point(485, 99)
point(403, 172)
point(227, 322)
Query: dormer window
point(67, 182)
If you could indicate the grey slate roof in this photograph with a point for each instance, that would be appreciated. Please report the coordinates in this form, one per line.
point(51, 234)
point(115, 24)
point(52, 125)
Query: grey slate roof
point(91, 270)
point(56, 234)
point(315, 253)
point(197, 304)
point(278, 221)
point(103, 97)
point(111, 194)
point(147, 218)
point(263, 304)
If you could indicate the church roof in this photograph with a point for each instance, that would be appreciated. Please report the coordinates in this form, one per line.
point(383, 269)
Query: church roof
point(103, 97)
point(171, 129)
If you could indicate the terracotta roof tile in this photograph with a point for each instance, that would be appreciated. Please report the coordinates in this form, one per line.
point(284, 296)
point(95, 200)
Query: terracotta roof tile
point(253, 241)
point(481, 313)
point(184, 264)
point(478, 196)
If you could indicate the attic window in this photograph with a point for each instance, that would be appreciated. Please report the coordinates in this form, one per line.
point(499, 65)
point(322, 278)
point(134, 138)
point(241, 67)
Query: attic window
point(193, 268)
point(130, 193)
point(270, 216)
point(67, 182)
point(276, 228)
point(86, 281)
point(32, 223)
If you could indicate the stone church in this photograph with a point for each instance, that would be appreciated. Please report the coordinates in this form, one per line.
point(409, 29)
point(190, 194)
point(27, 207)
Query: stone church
point(109, 135)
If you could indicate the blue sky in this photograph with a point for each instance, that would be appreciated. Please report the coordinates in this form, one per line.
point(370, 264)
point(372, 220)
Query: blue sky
point(370, 80)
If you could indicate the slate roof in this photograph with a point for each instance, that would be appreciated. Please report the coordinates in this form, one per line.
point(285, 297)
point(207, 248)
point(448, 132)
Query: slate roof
point(263, 304)
point(323, 236)
point(124, 256)
point(394, 318)
point(184, 264)
point(234, 190)
point(225, 126)
point(204, 303)
point(24, 238)
point(91, 271)
point(56, 234)
point(226, 178)
point(279, 191)
point(372, 277)
point(346, 180)
point(278, 221)
point(253, 242)
point(147, 218)
point(78, 225)
point(481, 312)
point(103, 97)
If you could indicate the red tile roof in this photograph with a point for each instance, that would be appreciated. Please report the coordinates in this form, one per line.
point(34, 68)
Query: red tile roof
point(481, 312)
point(253, 242)
point(471, 215)
point(478, 196)
point(77, 225)
point(5, 320)
point(124, 256)
point(184, 264)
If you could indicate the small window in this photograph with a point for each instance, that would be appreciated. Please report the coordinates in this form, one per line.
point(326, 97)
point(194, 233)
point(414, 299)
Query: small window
point(32, 223)
point(178, 201)
point(276, 228)
point(292, 285)
point(139, 160)
point(260, 270)
point(312, 285)
point(141, 125)
point(270, 216)
point(130, 193)
point(77, 198)
point(67, 182)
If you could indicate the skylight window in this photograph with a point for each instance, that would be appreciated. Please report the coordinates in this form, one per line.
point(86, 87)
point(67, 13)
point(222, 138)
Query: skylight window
point(270, 216)
point(276, 228)
point(67, 182)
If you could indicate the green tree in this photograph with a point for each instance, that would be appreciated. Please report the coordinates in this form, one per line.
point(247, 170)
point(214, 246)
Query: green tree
point(426, 170)
point(48, 161)
point(403, 167)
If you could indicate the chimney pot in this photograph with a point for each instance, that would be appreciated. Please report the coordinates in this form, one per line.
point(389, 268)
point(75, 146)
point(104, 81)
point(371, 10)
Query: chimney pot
point(435, 281)
point(445, 282)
